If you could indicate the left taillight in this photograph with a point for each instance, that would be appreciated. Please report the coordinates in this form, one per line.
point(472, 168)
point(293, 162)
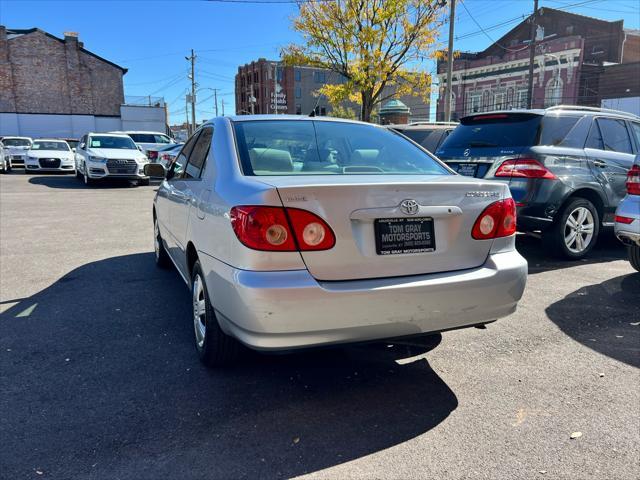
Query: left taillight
point(497, 220)
point(633, 180)
point(280, 229)
point(524, 168)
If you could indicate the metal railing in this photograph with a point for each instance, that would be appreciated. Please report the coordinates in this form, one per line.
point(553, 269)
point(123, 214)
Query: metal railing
point(144, 101)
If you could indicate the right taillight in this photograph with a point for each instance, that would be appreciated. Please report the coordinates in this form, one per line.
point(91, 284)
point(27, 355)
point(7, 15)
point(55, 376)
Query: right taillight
point(280, 229)
point(497, 220)
point(524, 168)
point(633, 180)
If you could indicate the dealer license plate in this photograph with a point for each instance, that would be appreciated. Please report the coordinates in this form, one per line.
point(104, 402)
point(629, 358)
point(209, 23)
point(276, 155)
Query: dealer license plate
point(404, 235)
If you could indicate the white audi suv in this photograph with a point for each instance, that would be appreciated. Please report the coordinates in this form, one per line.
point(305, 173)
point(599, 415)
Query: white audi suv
point(102, 156)
point(296, 232)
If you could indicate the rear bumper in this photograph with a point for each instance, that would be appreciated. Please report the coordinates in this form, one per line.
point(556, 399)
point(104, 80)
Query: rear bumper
point(290, 309)
point(629, 233)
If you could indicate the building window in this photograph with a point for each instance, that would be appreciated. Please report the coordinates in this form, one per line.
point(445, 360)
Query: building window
point(499, 100)
point(553, 92)
point(521, 98)
point(298, 75)
point(279, 74)
point(319, 77)
point(474, 102)
point(298, 92)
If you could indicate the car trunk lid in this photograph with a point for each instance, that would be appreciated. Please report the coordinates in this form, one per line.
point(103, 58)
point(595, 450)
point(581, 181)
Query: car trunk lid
point(365, 214)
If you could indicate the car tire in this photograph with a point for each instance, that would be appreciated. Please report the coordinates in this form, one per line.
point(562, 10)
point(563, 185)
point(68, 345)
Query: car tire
point(574, 231)
point(162, 257)
point(634, 256)
point(215, 348)
point(88, 181)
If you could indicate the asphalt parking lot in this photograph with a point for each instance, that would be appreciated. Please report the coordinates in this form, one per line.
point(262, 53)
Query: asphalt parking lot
point(100, 379)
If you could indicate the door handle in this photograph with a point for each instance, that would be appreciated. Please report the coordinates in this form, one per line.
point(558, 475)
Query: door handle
point(600, 163)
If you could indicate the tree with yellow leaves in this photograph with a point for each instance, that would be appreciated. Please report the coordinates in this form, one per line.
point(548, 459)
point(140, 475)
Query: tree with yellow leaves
point(376, 45)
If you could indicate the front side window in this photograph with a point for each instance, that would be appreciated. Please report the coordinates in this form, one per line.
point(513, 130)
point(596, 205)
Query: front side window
point(614, 135)
point(104, 141)
point(286, 147)
point(46, 145)
point(181, 160)
point(198, 154)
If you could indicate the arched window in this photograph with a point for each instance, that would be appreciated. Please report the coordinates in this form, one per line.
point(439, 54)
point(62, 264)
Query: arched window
point(553, 92)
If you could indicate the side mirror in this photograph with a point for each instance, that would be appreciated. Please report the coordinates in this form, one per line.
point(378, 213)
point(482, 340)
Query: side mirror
point(73, 149)
point(139, 148)
point(154, 170)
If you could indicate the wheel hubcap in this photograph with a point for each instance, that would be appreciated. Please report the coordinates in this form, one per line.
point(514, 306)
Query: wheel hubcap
point(156, 239)
point(578, 231)
point(199, 311)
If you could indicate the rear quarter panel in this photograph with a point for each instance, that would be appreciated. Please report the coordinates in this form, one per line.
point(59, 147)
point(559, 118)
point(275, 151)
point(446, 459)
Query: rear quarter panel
point(213, 235)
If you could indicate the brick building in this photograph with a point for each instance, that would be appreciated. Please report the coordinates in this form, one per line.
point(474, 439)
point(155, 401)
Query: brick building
point(572, 53)
point(41, 73)
point(276, 88)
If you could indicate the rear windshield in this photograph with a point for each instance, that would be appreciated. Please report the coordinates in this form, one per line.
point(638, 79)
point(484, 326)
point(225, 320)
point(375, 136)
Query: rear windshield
point(16, 142)
point(123, 143)
point(149, 138)
point(499, 130)
point(294, 147)
point(46, 145)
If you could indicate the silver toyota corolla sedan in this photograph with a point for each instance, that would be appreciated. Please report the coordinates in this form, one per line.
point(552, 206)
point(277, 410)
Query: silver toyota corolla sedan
point(296, 232)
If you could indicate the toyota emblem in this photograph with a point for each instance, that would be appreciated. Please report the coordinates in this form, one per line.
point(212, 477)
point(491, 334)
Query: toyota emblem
point(409, 207)
point(466, 152)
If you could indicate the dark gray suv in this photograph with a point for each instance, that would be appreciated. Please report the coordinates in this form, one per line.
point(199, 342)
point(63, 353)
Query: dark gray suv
point(566, 167)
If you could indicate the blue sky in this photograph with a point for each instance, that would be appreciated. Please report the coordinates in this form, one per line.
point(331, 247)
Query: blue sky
point(151, 38)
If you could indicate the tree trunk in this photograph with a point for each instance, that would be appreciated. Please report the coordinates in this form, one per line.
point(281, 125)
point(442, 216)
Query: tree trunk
point(366, 106)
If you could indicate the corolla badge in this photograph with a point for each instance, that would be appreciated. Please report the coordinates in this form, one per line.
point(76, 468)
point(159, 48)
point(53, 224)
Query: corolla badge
point(466, 152)
point(409, 207)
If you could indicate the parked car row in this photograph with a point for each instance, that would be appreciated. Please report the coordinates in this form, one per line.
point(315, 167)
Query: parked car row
point(96, 156)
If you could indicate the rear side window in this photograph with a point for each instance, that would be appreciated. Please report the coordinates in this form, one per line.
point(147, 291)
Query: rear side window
point(560, 130)
point(615, 136)
point(636, 131)
point(498, 130)
point(294, 147)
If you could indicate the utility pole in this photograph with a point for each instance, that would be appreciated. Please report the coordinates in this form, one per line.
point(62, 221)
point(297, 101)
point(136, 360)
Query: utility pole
point(186, 113)
point(215, 96)
point(532, 54)
point(449, 89)
point(192, 59)
point(222, 100)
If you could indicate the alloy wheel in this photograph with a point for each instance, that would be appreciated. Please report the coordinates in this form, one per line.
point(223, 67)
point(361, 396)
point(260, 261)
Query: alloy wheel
point(199, 311)
point(578, 230)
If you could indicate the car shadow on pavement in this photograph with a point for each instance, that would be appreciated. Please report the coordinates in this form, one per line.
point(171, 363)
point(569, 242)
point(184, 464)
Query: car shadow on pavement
point(101, 379)
point(608, 249)
point(605, 317)
point(68, 182)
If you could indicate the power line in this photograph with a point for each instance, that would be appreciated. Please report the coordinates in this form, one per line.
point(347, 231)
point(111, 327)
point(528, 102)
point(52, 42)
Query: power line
point(488, 36)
